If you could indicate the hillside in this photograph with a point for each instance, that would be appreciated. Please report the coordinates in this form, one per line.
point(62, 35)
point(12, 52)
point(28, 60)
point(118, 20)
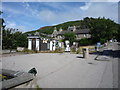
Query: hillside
point(85, 23)
point(64, 26)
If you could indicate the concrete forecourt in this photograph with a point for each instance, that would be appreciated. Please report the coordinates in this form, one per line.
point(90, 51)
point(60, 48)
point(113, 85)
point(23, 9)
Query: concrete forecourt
point(65, 70)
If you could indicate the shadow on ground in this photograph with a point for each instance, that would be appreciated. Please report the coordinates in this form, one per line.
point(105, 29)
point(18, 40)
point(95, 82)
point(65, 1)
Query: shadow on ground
point(79, 56)
point(111, 53)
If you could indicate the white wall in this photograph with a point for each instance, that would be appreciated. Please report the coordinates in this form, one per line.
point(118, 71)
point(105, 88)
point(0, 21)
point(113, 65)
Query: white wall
point(30, 44)
point(51, 46)
point(37, 44)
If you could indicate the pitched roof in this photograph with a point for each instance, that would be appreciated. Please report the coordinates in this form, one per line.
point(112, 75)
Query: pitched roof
point(35, 36)
point(55, 32)
point(78, 31)
point(82, 31)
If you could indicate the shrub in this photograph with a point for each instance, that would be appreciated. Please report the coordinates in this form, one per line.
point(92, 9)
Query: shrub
point(59, 50)
point(61, 40)
point(70, 36)
point(85, 41)
point(73, 49)
point(79, 51)
point(28, 51)
point(102, 41)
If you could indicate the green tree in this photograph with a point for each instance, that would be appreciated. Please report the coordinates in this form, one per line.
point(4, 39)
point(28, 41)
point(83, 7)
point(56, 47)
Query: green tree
point(12, 39)
point(103, 29)
point(70, 36)
point(118, 34)
point(21, 39)
point(85, 41)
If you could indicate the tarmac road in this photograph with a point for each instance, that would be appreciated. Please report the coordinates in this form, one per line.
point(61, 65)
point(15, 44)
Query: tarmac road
point(111, 72)
point(115, 63)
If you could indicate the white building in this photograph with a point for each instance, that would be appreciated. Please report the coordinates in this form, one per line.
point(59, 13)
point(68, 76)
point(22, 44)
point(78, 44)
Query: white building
point(43, 44)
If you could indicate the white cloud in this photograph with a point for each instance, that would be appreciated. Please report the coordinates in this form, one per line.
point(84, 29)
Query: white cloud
point(14, 11)
point(47, 16)
point(11, 10)
point(27, 5)
point(91, 9)
point(87, 5)
point(108, 10)
point(59, 0)
point(14, 25)
point(51, 17)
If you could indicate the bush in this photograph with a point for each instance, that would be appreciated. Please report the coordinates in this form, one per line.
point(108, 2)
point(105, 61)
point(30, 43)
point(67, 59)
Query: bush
point(73, 49)
point(28, 51)
point(102, 41)
point(59, 50)
point(85, 41)
point(79, 51)
point(70, 36)
point(61, 40)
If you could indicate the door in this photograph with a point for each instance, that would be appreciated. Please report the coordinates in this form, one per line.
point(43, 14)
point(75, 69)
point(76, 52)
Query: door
point(34, 44)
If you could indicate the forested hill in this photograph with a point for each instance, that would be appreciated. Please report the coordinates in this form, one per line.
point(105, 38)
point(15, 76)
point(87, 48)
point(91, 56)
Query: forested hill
point(91, 23)
point(49, 29)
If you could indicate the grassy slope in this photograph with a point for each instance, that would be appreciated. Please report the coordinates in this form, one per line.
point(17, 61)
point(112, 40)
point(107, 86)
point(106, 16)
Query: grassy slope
point(49, 29)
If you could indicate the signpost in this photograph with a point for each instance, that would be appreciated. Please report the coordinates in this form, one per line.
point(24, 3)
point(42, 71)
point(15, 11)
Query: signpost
point(98, 46)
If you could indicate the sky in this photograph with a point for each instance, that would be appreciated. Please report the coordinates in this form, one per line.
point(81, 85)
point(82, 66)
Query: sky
point(28, 16)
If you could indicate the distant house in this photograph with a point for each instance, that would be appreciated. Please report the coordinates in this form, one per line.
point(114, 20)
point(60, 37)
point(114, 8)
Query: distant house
point(80, 33)
point(55, 33)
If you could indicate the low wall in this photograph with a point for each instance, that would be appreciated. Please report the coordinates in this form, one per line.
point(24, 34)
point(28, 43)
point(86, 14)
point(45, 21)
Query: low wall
point(8, 51)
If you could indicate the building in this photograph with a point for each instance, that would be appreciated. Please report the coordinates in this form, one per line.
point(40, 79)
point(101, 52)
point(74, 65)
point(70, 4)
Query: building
point(37, 43)
point(80, 33)
point(55, 33)
point(45, 44)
